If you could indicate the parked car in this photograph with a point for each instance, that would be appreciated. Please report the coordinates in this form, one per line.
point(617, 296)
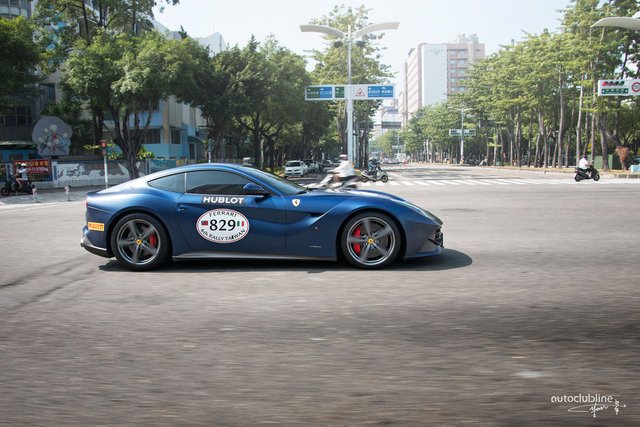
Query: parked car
point(295, 168)
point(220, 211)
point(312, 166)
point(327, 164)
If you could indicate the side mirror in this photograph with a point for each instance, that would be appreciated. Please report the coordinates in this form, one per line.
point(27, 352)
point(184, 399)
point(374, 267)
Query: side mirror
point(252, 189)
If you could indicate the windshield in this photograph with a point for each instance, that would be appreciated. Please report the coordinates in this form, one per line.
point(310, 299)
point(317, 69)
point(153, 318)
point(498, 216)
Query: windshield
point(293, 164)
point(287, 188)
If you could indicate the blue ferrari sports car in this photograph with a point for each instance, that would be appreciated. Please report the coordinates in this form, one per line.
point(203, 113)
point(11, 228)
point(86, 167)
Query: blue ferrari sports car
point(213, 211)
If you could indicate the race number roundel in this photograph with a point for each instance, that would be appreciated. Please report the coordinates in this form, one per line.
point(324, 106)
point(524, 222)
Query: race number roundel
point(223, 226)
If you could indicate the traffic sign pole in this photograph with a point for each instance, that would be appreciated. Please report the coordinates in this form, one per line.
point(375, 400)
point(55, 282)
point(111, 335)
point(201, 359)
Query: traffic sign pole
point(349, 93)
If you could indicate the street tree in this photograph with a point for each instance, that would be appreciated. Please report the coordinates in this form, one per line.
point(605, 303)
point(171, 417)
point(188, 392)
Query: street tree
point(126, 76)
point(18, 69)
point(63, 23)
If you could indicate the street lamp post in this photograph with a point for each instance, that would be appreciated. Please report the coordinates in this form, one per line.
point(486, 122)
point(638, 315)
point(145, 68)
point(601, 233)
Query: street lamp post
point(349, 38)
point(619, 21)
point(462, 135)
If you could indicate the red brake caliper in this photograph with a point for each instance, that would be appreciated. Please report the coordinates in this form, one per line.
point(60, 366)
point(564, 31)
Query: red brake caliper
point(153, 240)
point(356, 246)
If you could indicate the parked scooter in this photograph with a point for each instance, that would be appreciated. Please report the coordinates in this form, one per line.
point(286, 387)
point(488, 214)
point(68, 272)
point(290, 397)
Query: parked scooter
point(590, 173)
point(377, 175)
point(11, 186)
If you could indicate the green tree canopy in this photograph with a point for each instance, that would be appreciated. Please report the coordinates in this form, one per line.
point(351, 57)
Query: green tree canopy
point(21, 56)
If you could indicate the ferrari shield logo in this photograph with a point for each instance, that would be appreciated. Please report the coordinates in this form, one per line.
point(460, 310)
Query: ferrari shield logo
point(296, 202)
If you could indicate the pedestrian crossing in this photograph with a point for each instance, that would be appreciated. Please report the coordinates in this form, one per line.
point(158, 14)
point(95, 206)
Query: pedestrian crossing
point(495, 182)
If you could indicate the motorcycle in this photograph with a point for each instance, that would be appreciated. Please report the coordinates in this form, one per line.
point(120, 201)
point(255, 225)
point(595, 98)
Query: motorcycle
point(329, 182)
point(376, 175)
point(590, 173)
point(11, 186)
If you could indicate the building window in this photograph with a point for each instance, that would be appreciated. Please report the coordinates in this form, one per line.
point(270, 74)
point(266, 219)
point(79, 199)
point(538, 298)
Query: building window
point(175, 136)
point(20, 116)
point(47, 93)
point(152, 136)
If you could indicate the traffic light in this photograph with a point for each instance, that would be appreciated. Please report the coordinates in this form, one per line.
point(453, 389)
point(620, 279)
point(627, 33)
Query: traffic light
point(103, 145)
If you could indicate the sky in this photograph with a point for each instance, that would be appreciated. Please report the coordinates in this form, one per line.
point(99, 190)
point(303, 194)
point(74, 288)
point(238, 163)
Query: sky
point(496, 22)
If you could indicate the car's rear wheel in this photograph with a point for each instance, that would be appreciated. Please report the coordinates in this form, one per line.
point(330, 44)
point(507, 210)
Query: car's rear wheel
point(139, 242)
point(371, 240)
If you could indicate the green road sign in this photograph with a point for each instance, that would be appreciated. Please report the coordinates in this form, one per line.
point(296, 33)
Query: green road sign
point(319, 93)
point(619, 87)
point(355, 92)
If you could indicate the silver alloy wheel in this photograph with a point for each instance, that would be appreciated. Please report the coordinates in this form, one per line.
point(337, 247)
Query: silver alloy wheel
point(138, 242)
point(371, 241)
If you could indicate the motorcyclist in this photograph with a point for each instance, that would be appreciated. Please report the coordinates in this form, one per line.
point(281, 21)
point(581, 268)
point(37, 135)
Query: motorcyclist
point(344, 171)
point(585, 166)
point(21, 175)
point(373, 166)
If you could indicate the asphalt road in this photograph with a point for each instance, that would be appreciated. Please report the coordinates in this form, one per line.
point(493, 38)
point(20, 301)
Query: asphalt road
point(534, 300)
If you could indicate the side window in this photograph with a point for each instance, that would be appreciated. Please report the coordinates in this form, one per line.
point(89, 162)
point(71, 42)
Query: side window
point(174, 183)
point(215, 182)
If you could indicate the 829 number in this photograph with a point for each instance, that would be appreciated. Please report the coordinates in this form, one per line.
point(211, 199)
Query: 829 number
point(223, 224)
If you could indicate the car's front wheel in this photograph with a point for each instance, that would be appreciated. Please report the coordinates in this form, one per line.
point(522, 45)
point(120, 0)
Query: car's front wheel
point(371, 240)
point(139, 242)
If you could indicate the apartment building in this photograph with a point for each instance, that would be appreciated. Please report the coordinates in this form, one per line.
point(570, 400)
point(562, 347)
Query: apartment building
point(432, 72)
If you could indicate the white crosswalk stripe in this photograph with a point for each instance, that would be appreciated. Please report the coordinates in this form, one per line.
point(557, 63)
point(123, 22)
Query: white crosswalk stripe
point(514, 181)
point(492, 182)
point(472, 182)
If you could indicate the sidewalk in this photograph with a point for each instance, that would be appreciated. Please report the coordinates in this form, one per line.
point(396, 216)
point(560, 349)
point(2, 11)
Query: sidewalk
point(50, 195)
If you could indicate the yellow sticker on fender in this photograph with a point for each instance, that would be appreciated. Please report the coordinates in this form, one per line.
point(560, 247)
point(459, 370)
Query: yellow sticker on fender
point(98, 226)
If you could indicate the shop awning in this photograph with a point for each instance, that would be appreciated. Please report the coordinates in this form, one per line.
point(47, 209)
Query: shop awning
point(17, 144)
point(195, 140)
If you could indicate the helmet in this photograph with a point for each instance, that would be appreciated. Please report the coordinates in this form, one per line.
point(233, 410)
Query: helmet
point(24, 165)
point(343, 157)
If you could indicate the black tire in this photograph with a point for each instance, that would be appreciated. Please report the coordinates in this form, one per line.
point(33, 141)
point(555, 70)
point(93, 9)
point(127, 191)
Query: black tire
point(385, 178)
point(596, 176)
point(370, 240)
point(140, 242)
point(363, 178)
point(5, 191)
point(577, 178)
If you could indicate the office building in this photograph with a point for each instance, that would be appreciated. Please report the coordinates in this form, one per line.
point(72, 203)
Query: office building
point(434, 71)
